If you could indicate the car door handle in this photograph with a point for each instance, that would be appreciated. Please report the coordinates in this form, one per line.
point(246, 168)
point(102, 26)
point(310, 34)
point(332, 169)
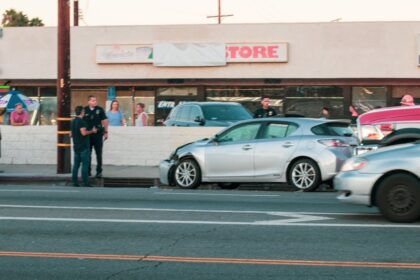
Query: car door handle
point(288, 144)
point(246, 147)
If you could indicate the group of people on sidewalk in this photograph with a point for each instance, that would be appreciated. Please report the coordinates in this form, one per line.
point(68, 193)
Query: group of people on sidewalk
point(266, 111)
point(89, 130)
point(117, 118)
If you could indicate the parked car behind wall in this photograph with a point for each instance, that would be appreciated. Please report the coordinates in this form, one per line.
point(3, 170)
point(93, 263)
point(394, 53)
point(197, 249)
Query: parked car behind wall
point(207, 114)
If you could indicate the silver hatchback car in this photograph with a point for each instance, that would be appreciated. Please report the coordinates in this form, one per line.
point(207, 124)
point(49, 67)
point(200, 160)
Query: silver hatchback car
point(388, 178)
point(303, 152)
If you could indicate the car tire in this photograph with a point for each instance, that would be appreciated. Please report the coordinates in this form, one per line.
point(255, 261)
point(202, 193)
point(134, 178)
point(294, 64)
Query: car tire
point(228, 186)
point(304, 175)
point(398, 198)
point(187, 174)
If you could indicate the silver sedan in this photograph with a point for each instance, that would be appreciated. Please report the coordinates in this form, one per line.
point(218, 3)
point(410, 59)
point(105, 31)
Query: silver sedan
point(388, 178)
point(302, 152)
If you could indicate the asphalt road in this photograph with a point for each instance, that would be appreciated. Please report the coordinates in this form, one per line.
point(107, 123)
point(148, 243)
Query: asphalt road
point(100, 233)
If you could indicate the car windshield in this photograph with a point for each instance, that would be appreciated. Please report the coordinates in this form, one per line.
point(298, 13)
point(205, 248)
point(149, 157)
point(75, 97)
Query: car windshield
point(225, 113)
point(333, 129)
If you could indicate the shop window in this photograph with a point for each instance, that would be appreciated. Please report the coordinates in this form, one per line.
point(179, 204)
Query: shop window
point(128, 99)
point(365, 99)
point(177, 91)
point(308, 101)
point(399, 92)
point(250, 98)
point(46, 114)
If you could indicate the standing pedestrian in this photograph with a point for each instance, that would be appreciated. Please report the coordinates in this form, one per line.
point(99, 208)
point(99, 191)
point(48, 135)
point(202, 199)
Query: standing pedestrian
point(142, 116)
point(114, 115)
point(407, 100)
point(265, 111)
point(354, 114)
point(81, 147)
point(19, 116)
point(95, 117)
point(325, 113)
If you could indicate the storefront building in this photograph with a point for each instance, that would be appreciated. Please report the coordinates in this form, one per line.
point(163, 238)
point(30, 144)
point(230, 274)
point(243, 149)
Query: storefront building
point(302, 67)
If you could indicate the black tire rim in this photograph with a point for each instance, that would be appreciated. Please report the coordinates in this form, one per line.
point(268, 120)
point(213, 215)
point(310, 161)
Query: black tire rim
point(400, 199)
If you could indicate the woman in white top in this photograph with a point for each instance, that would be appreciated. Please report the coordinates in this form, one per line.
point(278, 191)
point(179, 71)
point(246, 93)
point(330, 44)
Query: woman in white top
point(142, 117)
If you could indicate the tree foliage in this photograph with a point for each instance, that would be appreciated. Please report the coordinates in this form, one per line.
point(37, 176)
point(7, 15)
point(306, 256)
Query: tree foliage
point(12, 18)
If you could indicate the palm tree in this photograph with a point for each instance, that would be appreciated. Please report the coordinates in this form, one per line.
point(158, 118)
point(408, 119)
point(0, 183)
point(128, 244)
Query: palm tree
point(13, 18)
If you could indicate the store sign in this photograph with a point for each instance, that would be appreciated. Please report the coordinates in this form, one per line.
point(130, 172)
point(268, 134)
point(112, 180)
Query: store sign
point(193, 54)
point(262, 52)
point(124, 54)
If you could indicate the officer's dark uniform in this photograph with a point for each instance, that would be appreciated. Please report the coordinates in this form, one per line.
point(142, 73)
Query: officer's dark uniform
point(94, 118)
point(265, 113)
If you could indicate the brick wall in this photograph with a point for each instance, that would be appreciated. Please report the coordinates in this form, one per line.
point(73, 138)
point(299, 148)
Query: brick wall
point(126, 146)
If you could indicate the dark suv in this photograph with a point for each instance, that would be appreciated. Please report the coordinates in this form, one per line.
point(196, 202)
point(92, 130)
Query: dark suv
point(207, 114)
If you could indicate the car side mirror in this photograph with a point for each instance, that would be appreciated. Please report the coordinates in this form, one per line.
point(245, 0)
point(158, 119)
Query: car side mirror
point(200, 120)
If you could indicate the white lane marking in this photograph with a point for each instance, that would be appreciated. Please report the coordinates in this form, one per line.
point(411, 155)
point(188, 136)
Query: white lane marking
point(293, 218)
point(283, 213)
point(29, 190)
point(207, 222)
point(218, 194)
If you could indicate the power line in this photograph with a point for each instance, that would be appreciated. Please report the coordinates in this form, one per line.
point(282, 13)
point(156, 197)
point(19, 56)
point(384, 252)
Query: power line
point(219, 14)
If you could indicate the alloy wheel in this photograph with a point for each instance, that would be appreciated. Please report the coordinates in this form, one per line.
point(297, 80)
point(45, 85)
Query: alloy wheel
point(303, 175)
point(186, 174)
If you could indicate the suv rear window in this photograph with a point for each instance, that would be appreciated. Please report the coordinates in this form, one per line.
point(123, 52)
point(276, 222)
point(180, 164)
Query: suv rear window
point(225, 113)
point(333, 129)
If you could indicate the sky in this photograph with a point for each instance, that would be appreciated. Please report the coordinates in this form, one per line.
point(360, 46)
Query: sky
point(152, 12)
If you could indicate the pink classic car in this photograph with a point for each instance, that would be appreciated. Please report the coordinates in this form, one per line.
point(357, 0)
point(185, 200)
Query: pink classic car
point(388, 126)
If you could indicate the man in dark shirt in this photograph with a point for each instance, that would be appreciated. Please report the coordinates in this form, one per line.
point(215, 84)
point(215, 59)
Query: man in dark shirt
point(95, 117)
point(265, 111)
point(81, 147)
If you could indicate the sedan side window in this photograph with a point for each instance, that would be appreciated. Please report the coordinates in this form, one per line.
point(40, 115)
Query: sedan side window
point(278, 130)
point(195, 113)
point(243, 133)
point(184, 113)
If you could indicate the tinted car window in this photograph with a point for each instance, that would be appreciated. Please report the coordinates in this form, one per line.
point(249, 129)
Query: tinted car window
point(184, 113)
point(173, 113)
point(242, 133)
point(195, 112)
point(278, 130)
point(225, 113)
point(333, 129)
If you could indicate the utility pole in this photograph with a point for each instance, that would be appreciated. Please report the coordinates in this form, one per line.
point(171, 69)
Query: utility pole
point(76, 12)
point(63, 89)
point(219, 14)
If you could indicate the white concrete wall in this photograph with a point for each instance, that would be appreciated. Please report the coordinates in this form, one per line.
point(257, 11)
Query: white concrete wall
point(316, 50)
point(126, 146)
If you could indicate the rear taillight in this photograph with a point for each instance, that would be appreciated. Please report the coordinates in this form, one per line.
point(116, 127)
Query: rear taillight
point(333, 143)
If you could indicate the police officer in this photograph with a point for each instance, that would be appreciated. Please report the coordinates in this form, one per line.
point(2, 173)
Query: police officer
point(265, 111)
point(95, 117)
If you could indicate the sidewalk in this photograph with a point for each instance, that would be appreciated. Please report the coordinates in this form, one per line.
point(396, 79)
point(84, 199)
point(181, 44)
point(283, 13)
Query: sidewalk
point(135, 176)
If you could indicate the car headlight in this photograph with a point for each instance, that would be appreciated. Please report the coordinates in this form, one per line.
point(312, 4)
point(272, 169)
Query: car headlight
point(355, 163)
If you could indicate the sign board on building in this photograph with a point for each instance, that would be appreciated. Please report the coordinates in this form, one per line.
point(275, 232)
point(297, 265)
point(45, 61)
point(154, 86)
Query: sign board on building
point(124, 54)
point(189, 54)
point(235, 53)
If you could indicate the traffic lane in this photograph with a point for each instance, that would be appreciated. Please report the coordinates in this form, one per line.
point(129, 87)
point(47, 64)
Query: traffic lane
point(289, 242)
point(203, 240)
point(91, 269)
point(246, 243)
point(154, 197)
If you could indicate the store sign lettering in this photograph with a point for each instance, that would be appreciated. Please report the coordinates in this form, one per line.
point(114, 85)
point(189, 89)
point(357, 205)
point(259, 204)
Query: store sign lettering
point(166, 104)
point(235, 53)
point(275, 52)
